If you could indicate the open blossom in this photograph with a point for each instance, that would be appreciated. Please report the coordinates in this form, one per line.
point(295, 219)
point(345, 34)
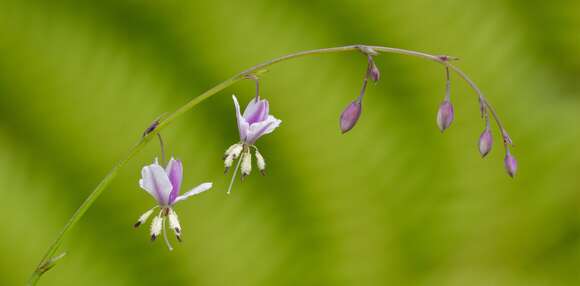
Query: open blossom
point(254, 123)
point(256, 120)
point(164, 186)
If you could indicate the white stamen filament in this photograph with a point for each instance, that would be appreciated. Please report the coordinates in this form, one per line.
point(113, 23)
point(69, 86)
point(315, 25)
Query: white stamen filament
point(156, 226)
point(228, 161)
point(174, 222)
point(143, 218)
point(246, 163)
point(237, 150)
point(234, 150)
point(260, 161)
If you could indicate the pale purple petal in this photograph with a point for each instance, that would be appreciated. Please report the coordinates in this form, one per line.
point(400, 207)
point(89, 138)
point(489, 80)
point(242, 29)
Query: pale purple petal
point(154, 180)
point(199, 189)
point(243, 125)
point(256, 111)
point(174, 171)
point(262, 128)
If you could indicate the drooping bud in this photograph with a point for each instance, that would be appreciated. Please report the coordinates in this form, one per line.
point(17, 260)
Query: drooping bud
point(485, 142)
point(246, 164)
point(374, 72)
point(156, 226)
point(350, 115)
point(143, 218)
point(511, 165)
point(445, 115)
point(260, 162)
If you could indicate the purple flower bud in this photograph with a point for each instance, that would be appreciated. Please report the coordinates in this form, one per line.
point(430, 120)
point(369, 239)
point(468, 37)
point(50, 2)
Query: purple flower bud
point(511, 165)
point(350, 116)
point(374, 72)
point(445, 115)
point(485, 142)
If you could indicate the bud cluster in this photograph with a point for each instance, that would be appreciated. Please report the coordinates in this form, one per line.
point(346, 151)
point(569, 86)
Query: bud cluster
point(445, 116)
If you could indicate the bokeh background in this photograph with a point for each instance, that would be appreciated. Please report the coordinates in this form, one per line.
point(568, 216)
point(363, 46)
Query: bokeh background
point(394, 202)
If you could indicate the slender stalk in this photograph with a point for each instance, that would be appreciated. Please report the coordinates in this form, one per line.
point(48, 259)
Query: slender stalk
point(162, 146)
point(49, 259)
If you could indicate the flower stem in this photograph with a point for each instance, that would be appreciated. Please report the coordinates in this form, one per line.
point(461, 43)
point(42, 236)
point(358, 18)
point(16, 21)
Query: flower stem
point(49, 259)
point(162, 146)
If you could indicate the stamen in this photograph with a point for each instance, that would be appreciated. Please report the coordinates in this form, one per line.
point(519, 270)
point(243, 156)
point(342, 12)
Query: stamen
point(174, 224)
point(260, 162)
point(156, 227)
point(143, 218)
point(246, 163)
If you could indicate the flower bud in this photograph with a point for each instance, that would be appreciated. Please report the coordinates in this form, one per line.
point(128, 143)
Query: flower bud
point(485, 142)
point(445, 115)
point(260, 162)
point(350, 116)
point(511, 165)
point(374, 72)
point(246, 164)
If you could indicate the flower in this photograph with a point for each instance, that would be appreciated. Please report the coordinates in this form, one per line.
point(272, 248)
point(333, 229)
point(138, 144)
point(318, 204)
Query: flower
point(254, 123)
point(164, 186)
point(256, 120)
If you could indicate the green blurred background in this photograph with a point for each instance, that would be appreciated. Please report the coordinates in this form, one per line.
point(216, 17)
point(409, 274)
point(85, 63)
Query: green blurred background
point(393, 202)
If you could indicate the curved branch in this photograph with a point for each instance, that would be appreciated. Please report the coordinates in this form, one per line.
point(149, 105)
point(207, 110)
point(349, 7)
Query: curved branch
point(49, 259)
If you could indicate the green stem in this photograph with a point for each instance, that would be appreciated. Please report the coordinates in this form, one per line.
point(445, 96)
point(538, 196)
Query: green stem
point(49, 259)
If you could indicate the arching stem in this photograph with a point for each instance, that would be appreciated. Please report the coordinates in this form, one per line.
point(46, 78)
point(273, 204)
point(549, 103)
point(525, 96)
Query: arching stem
point(50, 256)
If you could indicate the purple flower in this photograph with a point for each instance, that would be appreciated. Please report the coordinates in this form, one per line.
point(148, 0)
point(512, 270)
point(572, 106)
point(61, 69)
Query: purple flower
point(164, 186)
point(350, 115)
point(511, 165)
point(485, 142)
point(256, 120)
point(253, 124)
point(445, 115)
